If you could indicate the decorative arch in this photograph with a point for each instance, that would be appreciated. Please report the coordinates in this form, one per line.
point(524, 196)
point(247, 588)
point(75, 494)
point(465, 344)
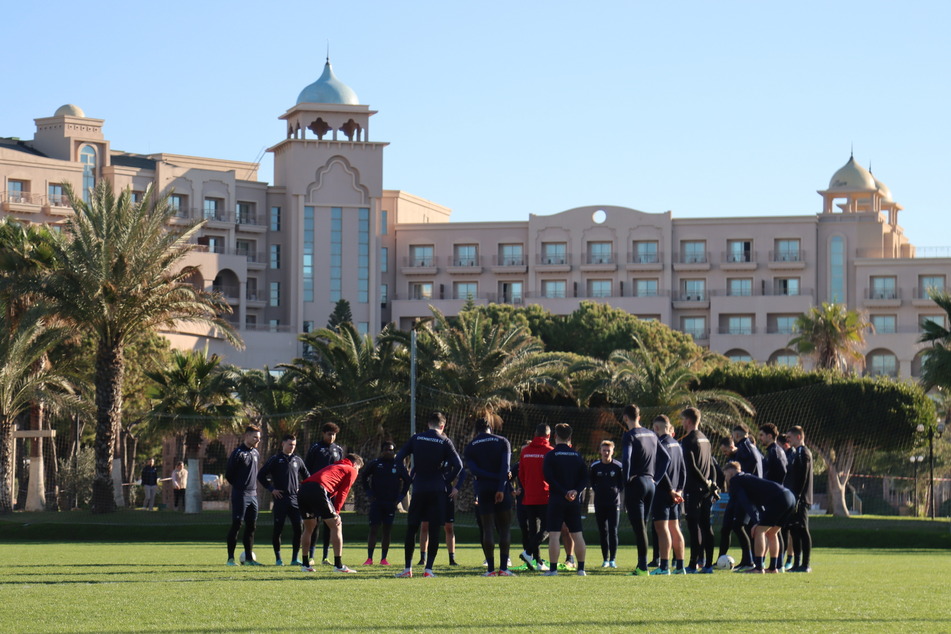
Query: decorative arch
point(785, 357)
point(918, 362)
point(738, 354)
point(342, 192)
point(881, 362)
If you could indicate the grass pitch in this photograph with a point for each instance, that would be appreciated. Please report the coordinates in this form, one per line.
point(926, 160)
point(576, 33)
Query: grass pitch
point(185, 587)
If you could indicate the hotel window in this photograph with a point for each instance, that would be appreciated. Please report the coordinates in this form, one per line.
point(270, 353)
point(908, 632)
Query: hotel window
point(510, 292)
point(275, 294)
point(251, 291)
point(384, 221)
point(739, 325)
point(928, 282)
point(739, 251)
point(363, 328)
point(179, 204)
point(275, 256)
point(274, 324)
point(90, 162)
point(599, 288)
point(16, 191)
point(307, 350)
point(696, 327)
point(934, 319)
point(787, 250)
point(244, 213)
point(785, 324)
point(694, 290)
point(600, 253)
point(213, 208)
point(275, 218)
point(645, 288)
point(421, 290)
point(553, 288)
point(245, 248)
point(57, 196)
point(739, 286)
point(421, 255)
point(216, 244)
point(465, 255)
point(250, 322)
point(786, 360)
point(693, 251)
point(786, 285)
point(554, 253)
point(137, 196)
point(511, 255)
point(384, 259)
point(884, 324)
point(307, 255)
point(739, 357)
point(384, 294)
point(882, 364)
point(465, 290)
point(645, 252)
point(837, 269)
point(363, 255)
point(336, 254)
point(883, 287)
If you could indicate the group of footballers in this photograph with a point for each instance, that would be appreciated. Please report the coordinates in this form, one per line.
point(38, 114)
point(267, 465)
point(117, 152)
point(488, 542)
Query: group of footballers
point(658, 478)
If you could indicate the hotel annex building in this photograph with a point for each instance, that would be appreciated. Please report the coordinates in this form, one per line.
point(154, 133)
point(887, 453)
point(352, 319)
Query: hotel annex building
point(284, 253)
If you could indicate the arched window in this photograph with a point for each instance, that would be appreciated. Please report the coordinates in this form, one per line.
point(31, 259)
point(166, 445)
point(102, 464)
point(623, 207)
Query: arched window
point(88, 157)
point(881, 363)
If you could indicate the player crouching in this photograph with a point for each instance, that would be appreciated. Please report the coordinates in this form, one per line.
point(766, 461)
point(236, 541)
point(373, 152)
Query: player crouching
point(333, 482)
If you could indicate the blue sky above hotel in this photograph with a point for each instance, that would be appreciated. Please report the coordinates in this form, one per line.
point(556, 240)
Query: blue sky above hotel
point(702, 108)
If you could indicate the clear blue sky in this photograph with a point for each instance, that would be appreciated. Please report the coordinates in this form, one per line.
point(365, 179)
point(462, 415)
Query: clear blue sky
point(501, 109)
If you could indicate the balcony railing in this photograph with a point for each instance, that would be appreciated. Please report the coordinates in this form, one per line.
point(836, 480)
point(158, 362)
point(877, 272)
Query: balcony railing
point(882, 293)
point(602, 258)
point(421, 261)
point(694, 296)
point(465, 262)
point(692, 258)
point(644, 258)
point(508, 260)
point(250, 219)
point(732, 257)
point(787, 255)
point(924, 293)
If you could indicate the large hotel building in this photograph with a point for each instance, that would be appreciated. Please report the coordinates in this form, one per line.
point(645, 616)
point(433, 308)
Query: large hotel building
point(284, 253)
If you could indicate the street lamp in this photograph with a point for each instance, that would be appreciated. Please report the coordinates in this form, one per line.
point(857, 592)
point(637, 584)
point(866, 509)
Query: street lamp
point(916, 460)
point(934, 432)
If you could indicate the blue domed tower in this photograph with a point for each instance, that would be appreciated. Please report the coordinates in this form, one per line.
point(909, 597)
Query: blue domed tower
point(328, 185)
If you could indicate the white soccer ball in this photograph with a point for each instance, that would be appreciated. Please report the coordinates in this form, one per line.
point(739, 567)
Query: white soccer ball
point(725, 563)
point(253, 556)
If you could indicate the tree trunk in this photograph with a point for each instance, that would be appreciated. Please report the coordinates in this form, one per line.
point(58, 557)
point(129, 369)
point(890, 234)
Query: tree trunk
point(839, 469)
point(109, 374)
point(36, 493)
point(6, 464)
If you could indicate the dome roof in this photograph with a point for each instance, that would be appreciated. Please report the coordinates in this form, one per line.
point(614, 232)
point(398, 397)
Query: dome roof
point(883, 190)
point(852, 177)
point(69, 110)
point(328, 89)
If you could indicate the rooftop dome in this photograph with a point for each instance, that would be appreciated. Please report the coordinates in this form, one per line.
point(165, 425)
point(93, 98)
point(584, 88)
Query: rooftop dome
point(852, 177)
point(69, 110)
point(328, 89)
point(883, 190)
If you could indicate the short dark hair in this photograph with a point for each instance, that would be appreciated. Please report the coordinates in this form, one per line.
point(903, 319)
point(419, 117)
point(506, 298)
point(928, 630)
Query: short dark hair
point(481, 424)
point(355, 459)
point(563, 431)
point(330, 427)
point(542, 429)
point(692, 414)
point(436, 419)
point(661, 418)
point(387, 443)
point(796, 429)
point(740, 427)
point(726, 441)
point(288, 437)
point(769, 428)
point(781, 439)
point(631, 411)
point(250, 429)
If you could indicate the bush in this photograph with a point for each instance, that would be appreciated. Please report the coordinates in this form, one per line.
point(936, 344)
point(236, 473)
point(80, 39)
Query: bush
point(76, 479)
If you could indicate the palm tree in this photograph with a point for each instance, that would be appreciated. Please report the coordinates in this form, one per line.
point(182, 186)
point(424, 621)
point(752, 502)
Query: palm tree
point(193, 398)
point(936, 367)
point(833, 335)
point(269, 399)
point(120, 272)
point(493, 367)
point(25, 252)
point(637, 376)
point(26, 379)
point(355, 379)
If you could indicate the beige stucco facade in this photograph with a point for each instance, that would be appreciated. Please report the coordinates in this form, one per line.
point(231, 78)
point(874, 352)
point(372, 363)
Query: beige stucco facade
point(284, 253)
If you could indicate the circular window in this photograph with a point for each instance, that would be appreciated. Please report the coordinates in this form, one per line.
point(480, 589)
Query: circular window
point(599, 216)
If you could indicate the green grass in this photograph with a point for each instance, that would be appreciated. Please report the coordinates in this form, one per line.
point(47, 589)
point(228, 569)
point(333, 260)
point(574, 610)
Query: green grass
point(185, 587)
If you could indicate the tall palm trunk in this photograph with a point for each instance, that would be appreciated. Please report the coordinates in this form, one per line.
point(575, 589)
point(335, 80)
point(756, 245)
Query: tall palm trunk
point(110, 365)
point(6, 464)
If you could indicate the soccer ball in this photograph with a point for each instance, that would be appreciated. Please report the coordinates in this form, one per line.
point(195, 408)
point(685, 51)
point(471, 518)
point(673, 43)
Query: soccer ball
point(725, 563)
point(253, 556)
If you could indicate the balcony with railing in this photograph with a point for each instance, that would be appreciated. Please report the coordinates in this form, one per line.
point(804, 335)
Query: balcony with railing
point(468, 266)
point(24, 202)
point(922, 297)
point(738, 260)
point(553, 262)
point(645, 261)
point(692, 299)
point(787, 259)
point(882, 297)
point(250, 222)
point(419, 265)
point(509, 264)
point(692, 261)
point(599, 262)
